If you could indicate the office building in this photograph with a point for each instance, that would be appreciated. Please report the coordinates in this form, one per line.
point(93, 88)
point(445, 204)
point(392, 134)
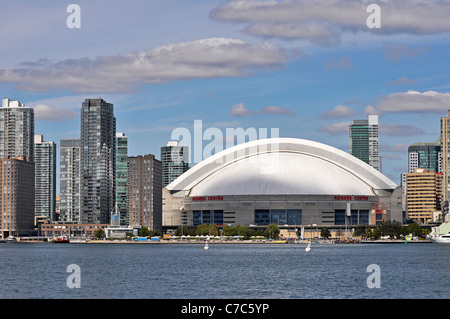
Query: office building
point(145, 192)
point(445, 157)
point(69, 210)
point(122, 177)
point(16, 197)
point(290, 182)
point(175, 161)
point(424, 155)
point(98, 161)
point(17, 168)
point(363, 140)
point(424, 194)
point(16, 130)
point(45, 179)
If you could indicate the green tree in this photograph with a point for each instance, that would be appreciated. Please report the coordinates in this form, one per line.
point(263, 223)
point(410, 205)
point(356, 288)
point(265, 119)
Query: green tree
point(272, 231)
point(202, 229)
point(413, 229)
point(144, 231)
point(99, 233)
point(325, 232)
point(213, 230)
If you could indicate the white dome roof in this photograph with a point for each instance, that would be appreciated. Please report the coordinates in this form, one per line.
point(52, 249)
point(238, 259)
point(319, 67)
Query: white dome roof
point(281, 166)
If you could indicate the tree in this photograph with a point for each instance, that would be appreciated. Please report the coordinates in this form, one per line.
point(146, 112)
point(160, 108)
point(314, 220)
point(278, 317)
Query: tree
point(144, 231)
point(272, 231)
point(99, 233)
point(325, 232)
point(413, 229)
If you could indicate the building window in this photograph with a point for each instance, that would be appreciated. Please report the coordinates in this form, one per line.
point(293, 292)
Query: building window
point(262, 217)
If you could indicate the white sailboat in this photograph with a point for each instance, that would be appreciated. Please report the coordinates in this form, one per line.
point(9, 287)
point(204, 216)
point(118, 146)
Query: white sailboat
point(308, 247)
point(206, 244)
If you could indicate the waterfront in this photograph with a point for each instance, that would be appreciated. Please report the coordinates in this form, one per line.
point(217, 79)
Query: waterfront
point(34, 270)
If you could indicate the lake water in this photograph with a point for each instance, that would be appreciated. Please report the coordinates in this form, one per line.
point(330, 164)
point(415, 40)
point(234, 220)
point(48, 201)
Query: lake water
point(225, 271)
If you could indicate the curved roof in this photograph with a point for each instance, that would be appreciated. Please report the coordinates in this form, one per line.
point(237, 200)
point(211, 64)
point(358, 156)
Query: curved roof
point(278, 166)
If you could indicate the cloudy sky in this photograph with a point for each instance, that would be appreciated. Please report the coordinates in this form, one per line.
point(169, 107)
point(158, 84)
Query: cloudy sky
point(307, 68)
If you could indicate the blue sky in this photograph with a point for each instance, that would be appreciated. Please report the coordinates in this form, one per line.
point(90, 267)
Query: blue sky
point(308, 70)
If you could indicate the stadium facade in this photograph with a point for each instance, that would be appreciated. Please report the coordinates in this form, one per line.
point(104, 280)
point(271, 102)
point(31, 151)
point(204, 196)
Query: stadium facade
point(286, 181)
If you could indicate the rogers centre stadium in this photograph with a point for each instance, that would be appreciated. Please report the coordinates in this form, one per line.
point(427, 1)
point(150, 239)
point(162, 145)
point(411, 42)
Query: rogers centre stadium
point(286, 181)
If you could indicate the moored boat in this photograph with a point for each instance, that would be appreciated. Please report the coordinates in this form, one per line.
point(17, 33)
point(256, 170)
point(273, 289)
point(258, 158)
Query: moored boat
point(61, 240)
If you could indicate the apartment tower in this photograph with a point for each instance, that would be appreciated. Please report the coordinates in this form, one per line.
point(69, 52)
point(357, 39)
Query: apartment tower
point(69, 180)
point(145, 192)
point(175, 161)
point(98, 161)
point(122, 177)
point(363, 140)
point(16, 169)
point(45, 179)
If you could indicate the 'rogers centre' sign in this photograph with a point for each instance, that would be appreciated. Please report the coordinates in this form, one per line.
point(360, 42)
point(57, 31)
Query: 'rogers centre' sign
point(341, 197)
point(205, 198)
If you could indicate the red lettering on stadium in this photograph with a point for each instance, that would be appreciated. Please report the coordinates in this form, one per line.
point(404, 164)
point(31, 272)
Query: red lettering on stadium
point(204, 198)
point(341, 197)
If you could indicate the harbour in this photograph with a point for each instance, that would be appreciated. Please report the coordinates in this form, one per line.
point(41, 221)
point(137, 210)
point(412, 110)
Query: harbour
point(228, 271)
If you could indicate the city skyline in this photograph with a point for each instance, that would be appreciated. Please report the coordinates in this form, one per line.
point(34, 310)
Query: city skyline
point(230, 65)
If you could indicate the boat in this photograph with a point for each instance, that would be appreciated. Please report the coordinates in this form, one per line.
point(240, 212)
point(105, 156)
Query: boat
point(441, 234)
point(11, 239)
point(61, 240)
point(440, 239)
point(308, 247)
point(206, 244)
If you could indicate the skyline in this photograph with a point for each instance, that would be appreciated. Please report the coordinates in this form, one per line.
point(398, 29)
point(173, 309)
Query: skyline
point(307, 70)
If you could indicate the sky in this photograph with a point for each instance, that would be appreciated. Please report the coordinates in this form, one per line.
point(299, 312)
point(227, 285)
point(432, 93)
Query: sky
point(305, 68)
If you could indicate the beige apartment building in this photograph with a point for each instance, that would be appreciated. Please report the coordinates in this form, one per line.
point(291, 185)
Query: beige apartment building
point(16, 197)
point(424, 194)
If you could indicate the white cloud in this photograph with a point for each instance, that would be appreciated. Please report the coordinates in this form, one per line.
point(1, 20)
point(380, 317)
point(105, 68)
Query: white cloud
point(339, 111)
point(206, 58)
point(47, 113)
point(240, 110)
point(415, 102)
point(324, 19)
point(335, 128)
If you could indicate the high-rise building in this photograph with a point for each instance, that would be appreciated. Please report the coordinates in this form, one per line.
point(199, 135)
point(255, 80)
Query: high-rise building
point(363, 139)
point(122, 177)
point(69, 179)
point(145, 192)
point(16, 168)
point(423, 195)
point(445, 157)
point(45, 179)
point(424, 155)
point(175, 161)
point(16, 130)
point(98, 161)
point(16, 197)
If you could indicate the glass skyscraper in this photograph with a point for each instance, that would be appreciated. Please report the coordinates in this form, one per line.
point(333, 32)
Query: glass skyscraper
point(122, 177)
point(16, 130)
point(69, 180)
point(424, 155)
point(98, 161)
point(16, 168)
point(175, 161)
point(45, 178)
point(363, 140)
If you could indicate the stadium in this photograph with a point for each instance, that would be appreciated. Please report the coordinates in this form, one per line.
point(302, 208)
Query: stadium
point(290, 182)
